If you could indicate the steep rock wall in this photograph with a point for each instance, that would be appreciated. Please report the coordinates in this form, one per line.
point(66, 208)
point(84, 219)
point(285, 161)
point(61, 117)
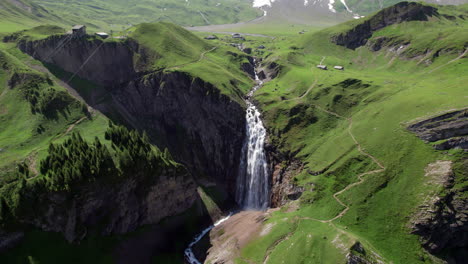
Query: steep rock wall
point(105, 63)
point(203, 128)
point(115, 208)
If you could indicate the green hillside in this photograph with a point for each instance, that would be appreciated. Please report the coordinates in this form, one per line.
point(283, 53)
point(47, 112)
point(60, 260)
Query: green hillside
point(349, 127)
point(118, 14)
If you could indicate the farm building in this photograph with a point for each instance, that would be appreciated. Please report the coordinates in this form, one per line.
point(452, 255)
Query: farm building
point(322, 67)
point(79, 31)
point(238, 36)
point(211, 37)
point(102, 35)
point(341, 68)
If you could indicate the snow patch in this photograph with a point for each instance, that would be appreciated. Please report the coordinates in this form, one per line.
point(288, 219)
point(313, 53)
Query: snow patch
point(330, 6)
point(306, 2)
point(346, 6)
point(260, 3)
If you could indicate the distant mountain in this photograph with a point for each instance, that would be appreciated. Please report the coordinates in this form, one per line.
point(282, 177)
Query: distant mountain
point(313, 11)
point(118, 13)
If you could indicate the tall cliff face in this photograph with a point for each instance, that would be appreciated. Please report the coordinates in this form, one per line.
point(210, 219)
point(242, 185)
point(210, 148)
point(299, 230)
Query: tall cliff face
point(105, 63)
point(115, 208)
point(202, 127)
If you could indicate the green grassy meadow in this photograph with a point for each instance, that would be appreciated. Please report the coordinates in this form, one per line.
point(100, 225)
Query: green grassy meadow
point(381, 92)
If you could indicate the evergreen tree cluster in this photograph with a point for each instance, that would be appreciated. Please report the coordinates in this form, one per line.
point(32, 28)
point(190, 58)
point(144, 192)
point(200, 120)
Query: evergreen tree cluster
point(135, 152)
point(77, 161)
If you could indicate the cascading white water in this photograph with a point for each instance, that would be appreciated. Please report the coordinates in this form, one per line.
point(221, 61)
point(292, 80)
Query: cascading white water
point(252, 182)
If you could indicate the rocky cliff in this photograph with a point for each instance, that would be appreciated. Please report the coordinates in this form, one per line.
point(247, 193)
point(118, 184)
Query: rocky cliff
point(442, 221)
point(401, 12)
point(202, 127)
point(446, 131)
point(115, 208)
point(105, 63)
point(283, 169)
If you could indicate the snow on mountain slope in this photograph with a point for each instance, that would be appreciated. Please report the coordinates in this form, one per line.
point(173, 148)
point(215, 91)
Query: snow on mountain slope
point(311, 11)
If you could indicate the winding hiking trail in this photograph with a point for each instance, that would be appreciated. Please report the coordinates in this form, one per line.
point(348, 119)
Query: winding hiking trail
point(360, 149)
point(335, 195)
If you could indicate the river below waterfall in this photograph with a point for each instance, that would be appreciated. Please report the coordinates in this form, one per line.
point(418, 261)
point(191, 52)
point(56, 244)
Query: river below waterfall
point(252, 187)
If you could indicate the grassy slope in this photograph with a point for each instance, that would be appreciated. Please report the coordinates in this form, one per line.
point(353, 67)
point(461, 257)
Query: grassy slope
point(177, 49)
point(392, 91)
point(14, 17)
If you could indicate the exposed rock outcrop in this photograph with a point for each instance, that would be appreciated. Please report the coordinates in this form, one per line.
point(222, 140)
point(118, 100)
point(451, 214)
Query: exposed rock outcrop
point(269, 71)
point(358, 255)
point(116, 208)
point(401, 12)
point(203, 128)
point(442, 221)
point(451, 127)
point(283, 170)
point(105, 63)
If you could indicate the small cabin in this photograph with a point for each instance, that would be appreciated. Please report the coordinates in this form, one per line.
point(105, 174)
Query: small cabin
point(238, 36)
point(211, 37)
point(341, 68)
point(79, 31)
point(102, 35)
point(322, 67)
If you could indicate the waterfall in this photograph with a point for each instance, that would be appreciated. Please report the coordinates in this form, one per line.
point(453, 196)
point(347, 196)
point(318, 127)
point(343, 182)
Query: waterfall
point(252, 182)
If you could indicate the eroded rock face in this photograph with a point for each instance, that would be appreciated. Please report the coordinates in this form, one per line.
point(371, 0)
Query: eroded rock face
point(442, 221)
point(451, 127)
point(283, 171)
point(203, 128)
point(105, 63)
point(401, 12)
point(115, 208)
